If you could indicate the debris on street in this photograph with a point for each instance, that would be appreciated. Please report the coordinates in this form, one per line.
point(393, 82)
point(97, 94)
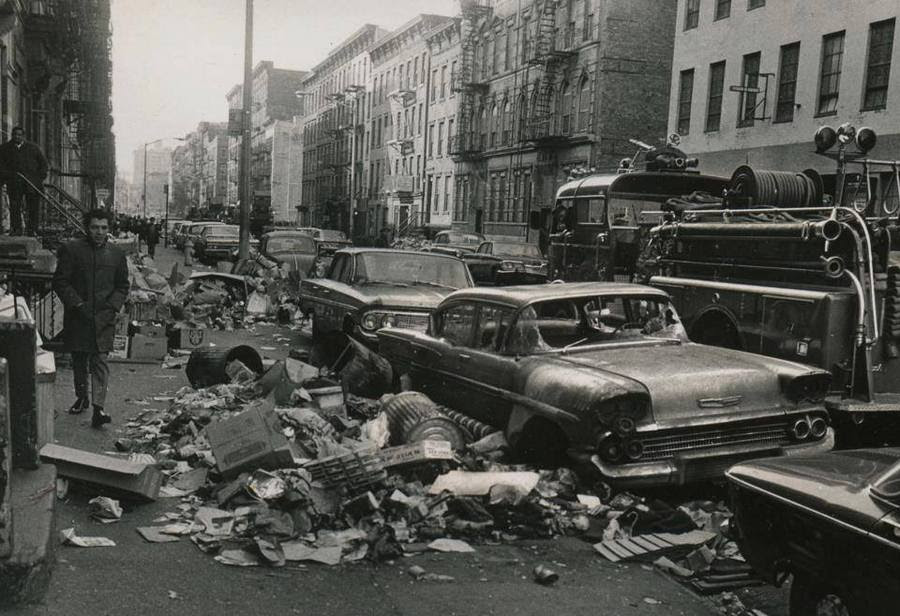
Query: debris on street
point(70, 537)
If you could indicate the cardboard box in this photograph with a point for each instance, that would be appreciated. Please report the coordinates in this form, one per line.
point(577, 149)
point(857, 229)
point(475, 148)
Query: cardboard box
point(249, 440)
point(423, 451)
point(146, 347)
point(115, 477)
point(143, 311)
point(188, 338)
point(120, 347)
point(148, 329)
point(122, 324)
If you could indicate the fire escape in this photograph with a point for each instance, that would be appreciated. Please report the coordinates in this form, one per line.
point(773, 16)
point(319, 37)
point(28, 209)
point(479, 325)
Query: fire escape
point(550, 56)
point(340, 127)
point(465, 145)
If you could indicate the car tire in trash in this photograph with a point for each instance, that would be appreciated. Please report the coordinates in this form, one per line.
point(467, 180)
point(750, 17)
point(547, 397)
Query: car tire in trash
point(813, 597)
point(207, 367)
point(413, 417)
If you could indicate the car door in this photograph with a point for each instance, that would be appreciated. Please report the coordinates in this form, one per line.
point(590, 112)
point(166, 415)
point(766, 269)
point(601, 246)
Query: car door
point(435, 363)
point(321, 295)
point(485, 376)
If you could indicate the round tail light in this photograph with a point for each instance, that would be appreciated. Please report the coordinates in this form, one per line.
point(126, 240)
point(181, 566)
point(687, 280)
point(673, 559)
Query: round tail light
point(818, 427)
point(800, 429)
point(611, 450)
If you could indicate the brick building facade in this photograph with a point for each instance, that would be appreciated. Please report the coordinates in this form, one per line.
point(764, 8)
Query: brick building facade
point(546, 87)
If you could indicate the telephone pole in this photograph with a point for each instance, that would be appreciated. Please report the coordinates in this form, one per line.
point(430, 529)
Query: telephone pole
point(246, 179)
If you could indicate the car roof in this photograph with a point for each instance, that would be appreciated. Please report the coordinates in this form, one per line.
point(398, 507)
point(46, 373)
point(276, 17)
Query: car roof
point(287, 233)
point(523, 295)
point(356, 250)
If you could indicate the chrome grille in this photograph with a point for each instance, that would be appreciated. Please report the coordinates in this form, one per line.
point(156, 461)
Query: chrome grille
point(417, 321)
point(670, 445)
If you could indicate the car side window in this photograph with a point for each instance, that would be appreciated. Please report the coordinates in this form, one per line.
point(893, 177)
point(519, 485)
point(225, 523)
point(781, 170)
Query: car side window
point(485, 249)
point(493, 323)
point(338, 267)
point(456, 322)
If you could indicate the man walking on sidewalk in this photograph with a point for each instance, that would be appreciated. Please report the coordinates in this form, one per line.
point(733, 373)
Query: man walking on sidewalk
point(91, 279)
point(24, 169)
point(151, 236)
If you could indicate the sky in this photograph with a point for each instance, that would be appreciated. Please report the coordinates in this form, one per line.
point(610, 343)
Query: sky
point(174, 60)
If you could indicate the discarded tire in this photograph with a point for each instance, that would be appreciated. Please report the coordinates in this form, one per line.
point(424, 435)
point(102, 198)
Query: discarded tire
point(413, 417)
point(207, 367)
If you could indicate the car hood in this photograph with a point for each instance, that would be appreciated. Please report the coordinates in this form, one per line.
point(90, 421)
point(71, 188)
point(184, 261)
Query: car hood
point(835, 484)
point(691, 383)
point(295, 260)
point(414, 296)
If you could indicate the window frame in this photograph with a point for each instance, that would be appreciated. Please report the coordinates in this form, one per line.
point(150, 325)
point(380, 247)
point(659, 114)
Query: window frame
point(691, 14)
point(718, 13)
point(720, 97)
point(790, 47)
point(680, 116)
point(827, 55)
point(889, 45)
point(748, 100)
point(439, 322)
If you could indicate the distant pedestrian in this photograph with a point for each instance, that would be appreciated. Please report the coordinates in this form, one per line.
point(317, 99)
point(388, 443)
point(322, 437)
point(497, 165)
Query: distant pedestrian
point(151, 236)
point(91, 279)
point(24, 169)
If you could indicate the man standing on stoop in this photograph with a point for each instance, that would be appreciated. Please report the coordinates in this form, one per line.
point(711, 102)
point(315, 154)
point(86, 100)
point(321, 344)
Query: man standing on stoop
point(91, 279)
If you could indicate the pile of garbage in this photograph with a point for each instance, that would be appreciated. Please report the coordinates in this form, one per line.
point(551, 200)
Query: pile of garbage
point(291, 464)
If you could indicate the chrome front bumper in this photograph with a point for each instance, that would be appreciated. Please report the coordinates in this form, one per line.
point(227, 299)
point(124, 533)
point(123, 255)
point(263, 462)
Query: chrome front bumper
point(699, 465)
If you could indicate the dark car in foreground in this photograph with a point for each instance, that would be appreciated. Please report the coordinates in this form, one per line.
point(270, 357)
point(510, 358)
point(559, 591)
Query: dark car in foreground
point(507, 263)
point(831, 521)
point(367, 289)
point(456, 243)
point(216, 242)
point(295, 251)
point(603, 373)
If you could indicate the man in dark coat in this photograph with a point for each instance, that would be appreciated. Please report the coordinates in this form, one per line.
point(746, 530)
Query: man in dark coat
point(91, 279)
point(24, 170)
point(151, 236)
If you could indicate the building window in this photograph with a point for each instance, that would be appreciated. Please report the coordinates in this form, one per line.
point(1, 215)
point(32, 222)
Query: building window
point(444, 81)
point(878, 65)
point(454, 76)
point(584, 105)
point(434, 85)
point(507, 44)
point(714, 98)
point(526, 41)
point(565, 102)
point(755, 4)
point(685, 92)
point(447, 183)
point(723, 9)
point(419, 125)
point(787, 82)
point(436, 189)
point(691, 14)
point(750, 80)
point(440, 138)
point(431, 141)
point(415, 75)
point(495, 124)
point(449, 133)
point(830, 77)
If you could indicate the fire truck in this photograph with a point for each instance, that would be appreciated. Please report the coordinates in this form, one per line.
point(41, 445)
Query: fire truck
point(777, 267)
point(599, 221)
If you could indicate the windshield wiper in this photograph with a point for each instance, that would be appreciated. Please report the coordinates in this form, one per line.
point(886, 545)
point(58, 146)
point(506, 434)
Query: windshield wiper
point(389, 282)
point(428, 283)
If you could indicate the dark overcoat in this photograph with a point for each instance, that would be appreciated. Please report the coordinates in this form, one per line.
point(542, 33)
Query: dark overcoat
point(26, 159)
point(92, 283)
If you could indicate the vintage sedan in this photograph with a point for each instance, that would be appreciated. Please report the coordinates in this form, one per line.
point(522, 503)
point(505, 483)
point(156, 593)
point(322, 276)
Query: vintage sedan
point(507, 263)
point(367, 289)
point(456, 243)
point(294, 251)
point(831, 521)
point(216, 242)
point(605, 374)
point(328, 241)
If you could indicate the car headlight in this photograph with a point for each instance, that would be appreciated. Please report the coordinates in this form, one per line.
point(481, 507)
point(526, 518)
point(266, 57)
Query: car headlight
point(372, 320)
point(508, 266)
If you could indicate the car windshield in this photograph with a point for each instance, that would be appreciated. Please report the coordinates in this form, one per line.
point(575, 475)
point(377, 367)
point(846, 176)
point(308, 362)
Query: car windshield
point(291, 244)
point(223, 231)
point(458, 238)
point(316, 233)
point(566, 323)
point(410, 269)
point(886, 488)
point(517, 249)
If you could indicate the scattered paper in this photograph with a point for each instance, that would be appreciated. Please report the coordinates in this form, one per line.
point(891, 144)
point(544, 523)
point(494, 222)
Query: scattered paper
point(192, 480)
point(237, 558)
point(105, 509)
point(464, 483)
point(450, 545)
point(298, 551)
point(154, 534)
point(218, 522)
point(70, 538)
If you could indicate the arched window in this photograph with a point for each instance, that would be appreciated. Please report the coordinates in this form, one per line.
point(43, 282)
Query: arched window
point(495, 124)
point(507, 122)
point(584, 105)
point(565, 109)
point(482, 128)
point(522, 112)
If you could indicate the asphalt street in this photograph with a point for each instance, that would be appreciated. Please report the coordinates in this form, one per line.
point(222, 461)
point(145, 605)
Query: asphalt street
point(137, 577)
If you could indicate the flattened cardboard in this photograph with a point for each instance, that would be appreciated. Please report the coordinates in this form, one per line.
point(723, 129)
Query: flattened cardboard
point(188, 338)
point(118, 477)
point(146, 347)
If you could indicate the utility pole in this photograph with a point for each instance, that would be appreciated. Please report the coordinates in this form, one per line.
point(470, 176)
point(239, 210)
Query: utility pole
point(247, 186)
